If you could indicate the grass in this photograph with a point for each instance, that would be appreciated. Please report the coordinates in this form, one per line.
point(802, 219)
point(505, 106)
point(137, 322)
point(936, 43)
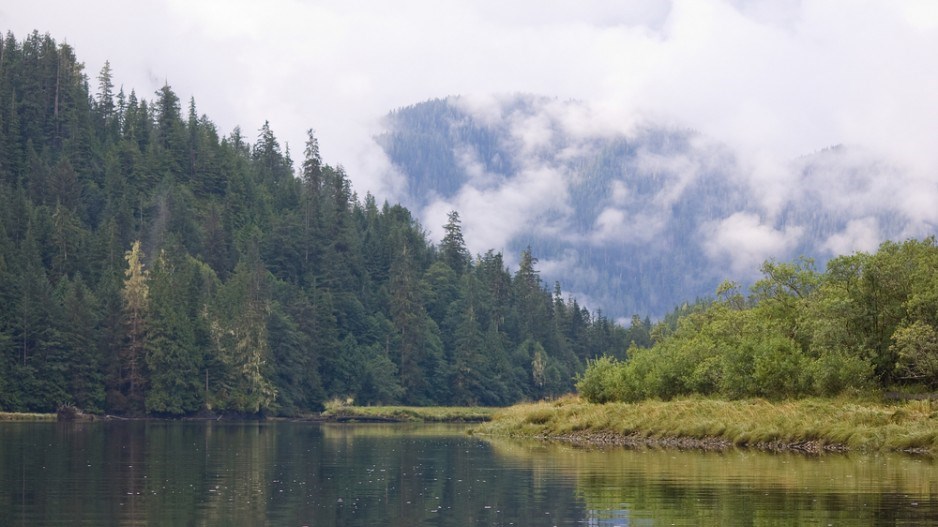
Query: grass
point(808, 424)
point(21, 416)
point(410, 414)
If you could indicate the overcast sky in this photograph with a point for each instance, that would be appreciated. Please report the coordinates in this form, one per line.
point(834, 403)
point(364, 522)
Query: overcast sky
point(772, 78)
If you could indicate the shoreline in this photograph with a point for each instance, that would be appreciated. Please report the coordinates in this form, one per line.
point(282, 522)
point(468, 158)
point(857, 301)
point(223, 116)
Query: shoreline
point(345, 414)
point(810, 426)
point(408, 414)
point(706, 444)
point(26, 417)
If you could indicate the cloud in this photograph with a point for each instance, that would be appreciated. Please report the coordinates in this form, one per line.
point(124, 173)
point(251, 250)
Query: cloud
point(615, 226)
point(499, 213)
point(773, 80)
point(611, 226)
point(679, 169)
point(855, 181)
point(744, 242)
point(859, 235)
point(569, 265)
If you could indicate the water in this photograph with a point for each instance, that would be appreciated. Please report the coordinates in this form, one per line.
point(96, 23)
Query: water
point(217, 473)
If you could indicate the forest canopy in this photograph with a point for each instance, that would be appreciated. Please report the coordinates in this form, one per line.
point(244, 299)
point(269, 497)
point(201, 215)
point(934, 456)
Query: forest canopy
point(150, 265)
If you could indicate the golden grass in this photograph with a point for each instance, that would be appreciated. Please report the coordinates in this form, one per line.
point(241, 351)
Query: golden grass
point(851, 424)
point(22, 416)
point(430, 414)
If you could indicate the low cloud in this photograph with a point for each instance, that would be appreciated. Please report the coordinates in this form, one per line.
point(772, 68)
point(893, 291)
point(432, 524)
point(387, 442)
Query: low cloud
point(614, 226)
point(494, 215)
point(859, 235)
point(744, 242)
point(773, 79)
point(770, 80)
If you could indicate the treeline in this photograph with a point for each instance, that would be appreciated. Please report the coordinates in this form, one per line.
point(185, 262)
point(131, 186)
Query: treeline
point(870, 321)
point(149, 265)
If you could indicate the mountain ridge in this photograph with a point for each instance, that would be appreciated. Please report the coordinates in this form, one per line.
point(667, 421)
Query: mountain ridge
point(640, 219)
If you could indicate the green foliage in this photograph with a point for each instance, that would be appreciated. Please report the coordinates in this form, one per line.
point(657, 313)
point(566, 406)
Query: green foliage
point(868, 320)
point(837, 371)
point(173, 358)
point(597, 383)
point(916, 346)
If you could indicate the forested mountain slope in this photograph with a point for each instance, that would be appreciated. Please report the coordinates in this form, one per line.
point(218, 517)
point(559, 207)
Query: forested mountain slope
point(637, 219)
point(151, 265)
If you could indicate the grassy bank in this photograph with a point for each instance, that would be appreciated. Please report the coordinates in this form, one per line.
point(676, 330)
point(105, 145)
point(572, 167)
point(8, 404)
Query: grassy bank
point(808, 424)
point(18, 416)
point(409, 414)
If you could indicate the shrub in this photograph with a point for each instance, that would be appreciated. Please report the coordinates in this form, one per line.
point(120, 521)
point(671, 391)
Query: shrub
point(835, 371)
point(780, 368)
point(597, 384)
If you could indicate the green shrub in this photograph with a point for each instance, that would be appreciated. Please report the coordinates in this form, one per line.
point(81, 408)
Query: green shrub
point(597, 383)
point(835, 371)
point(780, 369)
point(738, 367)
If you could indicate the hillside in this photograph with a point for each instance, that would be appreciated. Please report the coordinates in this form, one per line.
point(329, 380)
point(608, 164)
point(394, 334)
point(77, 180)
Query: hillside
point(150, 265)
point(638, 219)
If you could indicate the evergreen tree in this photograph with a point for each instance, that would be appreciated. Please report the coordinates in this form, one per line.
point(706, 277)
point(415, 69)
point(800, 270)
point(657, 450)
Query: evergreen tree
point(8, 294)
point(468, 369)
point(312, 195)
point(530, 301)
point(453, 247)
point(106, 114)
point(172, 355)
point(416, 342)
point(240, 335)
point(133, 376)
point(80, 333)
point(170, 142)
point(41, 368)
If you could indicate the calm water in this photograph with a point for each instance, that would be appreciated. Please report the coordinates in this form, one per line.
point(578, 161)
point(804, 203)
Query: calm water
point(175, 473)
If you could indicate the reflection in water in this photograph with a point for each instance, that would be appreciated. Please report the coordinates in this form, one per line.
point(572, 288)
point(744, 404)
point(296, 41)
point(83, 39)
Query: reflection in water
point(217, 473)
point(667, 487)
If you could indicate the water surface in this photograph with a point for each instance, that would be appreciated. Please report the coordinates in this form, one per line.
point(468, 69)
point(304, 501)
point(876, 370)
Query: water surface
point(218, 473)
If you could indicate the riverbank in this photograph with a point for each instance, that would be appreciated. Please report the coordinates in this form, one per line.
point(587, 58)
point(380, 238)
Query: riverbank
point(808, 425)
point(22, 416)
point(408, 414)
point(341, 414)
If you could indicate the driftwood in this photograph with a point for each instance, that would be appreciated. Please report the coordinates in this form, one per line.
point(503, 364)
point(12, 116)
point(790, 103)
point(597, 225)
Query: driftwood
point(70, 412)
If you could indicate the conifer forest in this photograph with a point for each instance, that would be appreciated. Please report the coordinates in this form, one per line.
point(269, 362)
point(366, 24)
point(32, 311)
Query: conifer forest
point(151, 264)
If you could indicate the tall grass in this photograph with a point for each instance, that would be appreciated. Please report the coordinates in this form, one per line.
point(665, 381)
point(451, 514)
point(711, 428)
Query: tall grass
point(805, 423)
point(21, 416)
point(430, 414)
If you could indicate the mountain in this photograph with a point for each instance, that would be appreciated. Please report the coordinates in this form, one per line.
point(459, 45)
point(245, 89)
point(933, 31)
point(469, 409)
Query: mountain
point(636, 219)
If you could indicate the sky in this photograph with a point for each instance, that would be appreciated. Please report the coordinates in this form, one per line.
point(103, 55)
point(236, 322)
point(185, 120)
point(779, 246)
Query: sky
point(773, 79)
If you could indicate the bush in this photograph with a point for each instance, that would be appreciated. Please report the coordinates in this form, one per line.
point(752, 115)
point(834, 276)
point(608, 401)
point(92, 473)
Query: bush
point(835, 371)
point(780, 368)
point(737, 381)
point(597, 383)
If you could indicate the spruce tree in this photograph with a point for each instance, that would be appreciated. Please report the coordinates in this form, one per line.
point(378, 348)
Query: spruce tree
point(133, 378)
point(172, 356)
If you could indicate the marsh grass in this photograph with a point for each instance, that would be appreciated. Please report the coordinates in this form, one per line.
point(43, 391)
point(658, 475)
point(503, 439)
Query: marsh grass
point(826, 423)
point(428, 414)
point(18, 416)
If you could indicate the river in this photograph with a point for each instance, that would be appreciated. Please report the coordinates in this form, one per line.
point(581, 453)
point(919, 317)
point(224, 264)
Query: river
point(282, 473)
